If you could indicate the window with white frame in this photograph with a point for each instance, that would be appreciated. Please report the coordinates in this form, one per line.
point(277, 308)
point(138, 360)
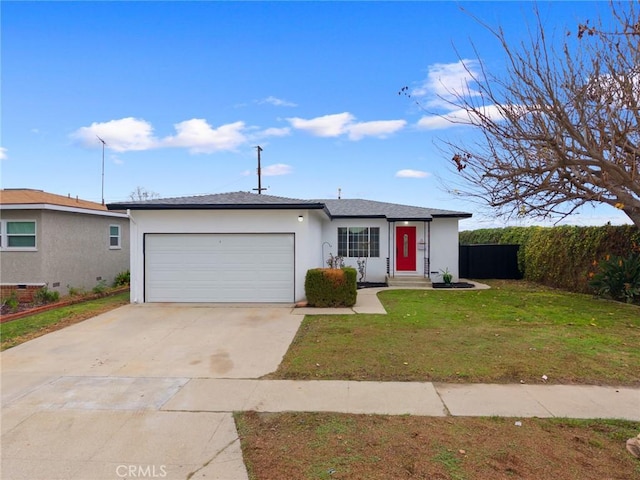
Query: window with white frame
point(359, 241)
point(114, 236)
point(18, 234)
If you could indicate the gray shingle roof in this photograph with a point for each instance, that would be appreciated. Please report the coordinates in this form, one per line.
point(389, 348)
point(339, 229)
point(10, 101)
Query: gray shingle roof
point(232, 200)
point(356, 207)
point(340, 208)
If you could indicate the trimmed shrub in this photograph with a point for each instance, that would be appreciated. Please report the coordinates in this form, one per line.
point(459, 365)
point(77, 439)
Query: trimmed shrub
point(331, 287)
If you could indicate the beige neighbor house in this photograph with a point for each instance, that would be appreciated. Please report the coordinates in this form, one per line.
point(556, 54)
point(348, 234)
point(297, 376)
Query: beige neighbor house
point(58, 241)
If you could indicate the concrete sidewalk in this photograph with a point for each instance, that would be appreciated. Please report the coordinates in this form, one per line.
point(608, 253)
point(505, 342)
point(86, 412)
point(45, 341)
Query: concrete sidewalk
point(407, 398)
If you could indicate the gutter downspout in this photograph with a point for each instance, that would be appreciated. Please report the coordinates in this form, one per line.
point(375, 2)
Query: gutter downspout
point(425, 264)
point(133, 246)
point(429, 250)
point(390, 272)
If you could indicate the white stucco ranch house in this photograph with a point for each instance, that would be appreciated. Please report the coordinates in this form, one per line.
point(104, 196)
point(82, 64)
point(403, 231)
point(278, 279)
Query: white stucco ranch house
point(246, 247)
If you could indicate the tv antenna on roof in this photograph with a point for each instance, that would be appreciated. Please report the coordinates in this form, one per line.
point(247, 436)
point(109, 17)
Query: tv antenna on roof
point(260, 188)
point(103, 145)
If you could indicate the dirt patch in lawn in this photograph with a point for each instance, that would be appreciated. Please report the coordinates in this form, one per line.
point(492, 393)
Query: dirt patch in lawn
point(341, 446)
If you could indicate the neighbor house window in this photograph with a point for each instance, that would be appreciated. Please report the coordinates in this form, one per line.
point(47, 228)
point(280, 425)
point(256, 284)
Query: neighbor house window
point(359, 241)
point(18, 234)
point(114, 236)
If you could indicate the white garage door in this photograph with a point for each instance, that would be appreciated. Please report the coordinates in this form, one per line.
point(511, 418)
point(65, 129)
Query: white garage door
point(219, 268)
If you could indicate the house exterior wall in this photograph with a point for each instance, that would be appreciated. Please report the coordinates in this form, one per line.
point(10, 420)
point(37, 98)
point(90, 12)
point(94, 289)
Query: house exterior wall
point(306, 233)
point(441, 253)
point(376, 269)
point(72, 249)
point(444, 248)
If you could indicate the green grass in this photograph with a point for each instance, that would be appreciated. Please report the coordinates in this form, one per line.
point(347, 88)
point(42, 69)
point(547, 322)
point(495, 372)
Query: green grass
point(512, 332)
point(18, 331)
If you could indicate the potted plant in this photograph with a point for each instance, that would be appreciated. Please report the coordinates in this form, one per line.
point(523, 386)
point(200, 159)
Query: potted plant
point(446, 276)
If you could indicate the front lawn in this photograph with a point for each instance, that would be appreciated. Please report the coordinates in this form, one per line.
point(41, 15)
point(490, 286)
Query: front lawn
point(341, 446)
point(516, 331)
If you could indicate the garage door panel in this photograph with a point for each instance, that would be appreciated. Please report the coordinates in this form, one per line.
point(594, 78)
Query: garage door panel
point(219, 268)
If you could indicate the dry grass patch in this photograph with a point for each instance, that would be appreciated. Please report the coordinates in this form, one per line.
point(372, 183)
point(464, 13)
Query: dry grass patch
point(341, 446)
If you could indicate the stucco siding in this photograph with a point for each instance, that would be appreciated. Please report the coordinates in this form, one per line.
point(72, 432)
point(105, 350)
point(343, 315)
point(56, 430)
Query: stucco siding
point(306, 235)
point(78, 253)
point(444, 248)
point(72, 250)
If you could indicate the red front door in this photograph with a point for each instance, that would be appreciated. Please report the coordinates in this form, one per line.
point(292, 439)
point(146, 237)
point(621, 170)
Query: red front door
point(406, 249)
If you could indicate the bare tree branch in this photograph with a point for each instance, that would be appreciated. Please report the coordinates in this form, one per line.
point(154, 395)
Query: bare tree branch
point(562, 128)
point(142, 194)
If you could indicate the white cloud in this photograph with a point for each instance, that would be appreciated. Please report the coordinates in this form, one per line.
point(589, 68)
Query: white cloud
point(344, 123)
point(199, 137)
point(407, 173)
point(276, 132)
point(277, 169)
point(278, 102)
point(121, 135)
point(325, 126)
point(3, 153)
point(380, 128)
point(446, 80)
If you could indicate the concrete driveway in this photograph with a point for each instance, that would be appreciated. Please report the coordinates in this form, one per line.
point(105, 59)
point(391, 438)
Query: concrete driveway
point(85, 402)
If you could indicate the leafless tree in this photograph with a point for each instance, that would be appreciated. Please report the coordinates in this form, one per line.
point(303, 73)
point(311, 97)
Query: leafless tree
point(561, 128)
point(142, 194)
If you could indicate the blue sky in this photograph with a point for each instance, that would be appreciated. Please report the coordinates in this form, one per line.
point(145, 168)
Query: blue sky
point(182, 92)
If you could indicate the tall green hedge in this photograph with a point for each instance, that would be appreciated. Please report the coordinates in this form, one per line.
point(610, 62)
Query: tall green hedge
point(331, 287)
point(560, 257)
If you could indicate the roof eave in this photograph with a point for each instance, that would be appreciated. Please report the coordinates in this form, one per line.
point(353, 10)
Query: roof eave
point(357, 216)
point(60, 208)
point(235, 206)
point(452, 215)
point(409, 219)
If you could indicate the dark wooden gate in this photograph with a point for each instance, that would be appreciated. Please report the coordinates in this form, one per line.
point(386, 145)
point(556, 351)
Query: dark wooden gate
point(489, 261)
